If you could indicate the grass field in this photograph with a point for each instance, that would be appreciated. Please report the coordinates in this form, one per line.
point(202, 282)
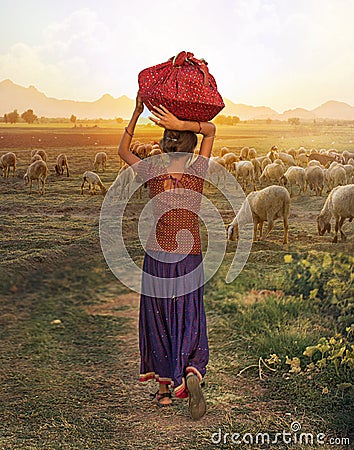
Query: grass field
point(69, 346)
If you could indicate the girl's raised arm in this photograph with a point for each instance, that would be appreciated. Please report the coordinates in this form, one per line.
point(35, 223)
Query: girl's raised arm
point(124, 145)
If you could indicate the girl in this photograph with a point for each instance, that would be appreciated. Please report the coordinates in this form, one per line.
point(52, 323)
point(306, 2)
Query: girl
point(172, 324)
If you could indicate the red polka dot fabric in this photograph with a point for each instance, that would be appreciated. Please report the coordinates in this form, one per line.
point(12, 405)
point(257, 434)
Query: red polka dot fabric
point(184, 86)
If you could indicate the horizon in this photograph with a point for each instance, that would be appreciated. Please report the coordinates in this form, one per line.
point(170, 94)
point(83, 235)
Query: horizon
point(261, 52)
point(130, 98)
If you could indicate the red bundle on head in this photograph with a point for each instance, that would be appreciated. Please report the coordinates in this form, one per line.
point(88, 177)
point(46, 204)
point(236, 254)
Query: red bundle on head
point(184, 86)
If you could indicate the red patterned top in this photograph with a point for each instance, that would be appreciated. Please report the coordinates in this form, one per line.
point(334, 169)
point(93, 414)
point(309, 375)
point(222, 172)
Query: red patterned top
point(175, 206)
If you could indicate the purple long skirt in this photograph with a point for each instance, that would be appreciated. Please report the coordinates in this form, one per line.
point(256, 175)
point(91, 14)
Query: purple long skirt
point(172, 328)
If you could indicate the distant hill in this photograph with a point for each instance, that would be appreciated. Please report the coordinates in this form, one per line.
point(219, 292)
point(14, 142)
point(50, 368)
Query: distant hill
point(14, 96)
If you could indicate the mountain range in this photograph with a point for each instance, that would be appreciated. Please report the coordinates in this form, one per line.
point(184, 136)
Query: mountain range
point(14, 96)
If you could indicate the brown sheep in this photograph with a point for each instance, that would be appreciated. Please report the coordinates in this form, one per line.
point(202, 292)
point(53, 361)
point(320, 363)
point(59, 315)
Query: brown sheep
point(62, 162)
point(7, 161)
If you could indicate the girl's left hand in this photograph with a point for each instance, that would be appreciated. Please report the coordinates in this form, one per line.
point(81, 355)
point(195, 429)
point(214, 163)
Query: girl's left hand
point(165, 119)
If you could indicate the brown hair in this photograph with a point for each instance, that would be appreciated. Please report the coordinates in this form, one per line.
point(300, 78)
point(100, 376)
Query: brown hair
point(178, 141)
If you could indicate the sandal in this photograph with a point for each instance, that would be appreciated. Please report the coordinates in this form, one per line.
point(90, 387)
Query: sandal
point(157, 396)
point(197, 404)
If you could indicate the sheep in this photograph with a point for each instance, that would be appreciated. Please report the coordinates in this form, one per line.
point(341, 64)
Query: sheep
point(125, 178)
point(349, 169)
point(244, 153)
point(296, 176)
point(252, 153)
point(266, 160)
point(224, 150)
point(314, 179)
point(292, 152)
point(301, 150)
point(100, 161)
point(257, 168)
point(286, 158)
point(155, 151)
point(351, 161)
point(322, 158)
point(38, 170)
point(340, 205)
point(273, 153)
point(347, 156)
point(36, 157)
point(244, 171)
point(314, 162)
point(216, 170)
point(92, 179)
point(273, 173)
point(41, 153)
point(7, 161)
point(229, 159)
point(336, 176)
point(302, 159)
point(62, 162)
point(268, 204)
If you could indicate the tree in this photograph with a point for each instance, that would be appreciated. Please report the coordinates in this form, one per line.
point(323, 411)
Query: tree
point(73, 119)
point(119, 120)
point(226, 120)
point(13, 116)
point(28, 116)
point(294, 121)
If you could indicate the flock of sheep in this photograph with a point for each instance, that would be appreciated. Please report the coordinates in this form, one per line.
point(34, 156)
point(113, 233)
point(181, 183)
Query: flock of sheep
point(266, 177)
point(38, 170)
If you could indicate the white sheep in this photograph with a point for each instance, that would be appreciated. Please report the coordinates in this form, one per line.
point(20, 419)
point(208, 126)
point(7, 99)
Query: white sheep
point(340, 205)
point(301, 159)
point(100, 161)
point(41, 153)
point(36, 157)
point(287, 159)
point(347, 156)
point(257, 168)
point(351, 161)
point(265, 161)
point(244, 153)
point(230, 159)
point(349, 169)
point(224, 150)
point(216, 171)
point(296, 176)
point(314, 162)
point(292, 152)
point(267, 205)
point(244, 173)
point(315, 179)
point(252, 153)
point(273, 173)
point(93, 180)
point(336, 176)
point(38, 170)
point(125, 179)
point(7, 161)
point(62, 162)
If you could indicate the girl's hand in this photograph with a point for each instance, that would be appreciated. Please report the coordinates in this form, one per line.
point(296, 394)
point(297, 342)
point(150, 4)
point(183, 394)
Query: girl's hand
point(139, 106)
point(165, 119)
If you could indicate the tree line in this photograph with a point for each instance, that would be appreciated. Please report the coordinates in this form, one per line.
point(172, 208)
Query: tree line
point(30, 117)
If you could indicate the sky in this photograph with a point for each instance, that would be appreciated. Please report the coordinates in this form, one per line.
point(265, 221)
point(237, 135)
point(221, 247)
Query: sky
point(278, 53)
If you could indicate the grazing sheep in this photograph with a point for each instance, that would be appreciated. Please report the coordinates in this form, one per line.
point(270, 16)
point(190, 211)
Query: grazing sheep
point(62, 162)
point(38, 170)
point(41, 153)
point(7, 161)
point(257, 168)
point(224, 150)
point(267, 205)
point(302, 150)
point(216, 171)
point(273, 153)
point(322, 158)
point(92, 179)
point(314, 162)
point(273, 173)
point(36, 157)
point(155, 151)
point(244, 153)
point(302, 159)
point(252, 153)
point(244, 173)
point(315, 179)
point(287, 159)
point(349, 169)
point(292, 152)
point(340, 205)
point(100, 161)
point(347, 156)
point(126, 176)
point(296, 176)
point(336, 176)
point(230, 159)
point(265, 161)
point(351, 161)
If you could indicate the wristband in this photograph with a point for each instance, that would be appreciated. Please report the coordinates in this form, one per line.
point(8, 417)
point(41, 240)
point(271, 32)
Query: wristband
point(128, 132)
